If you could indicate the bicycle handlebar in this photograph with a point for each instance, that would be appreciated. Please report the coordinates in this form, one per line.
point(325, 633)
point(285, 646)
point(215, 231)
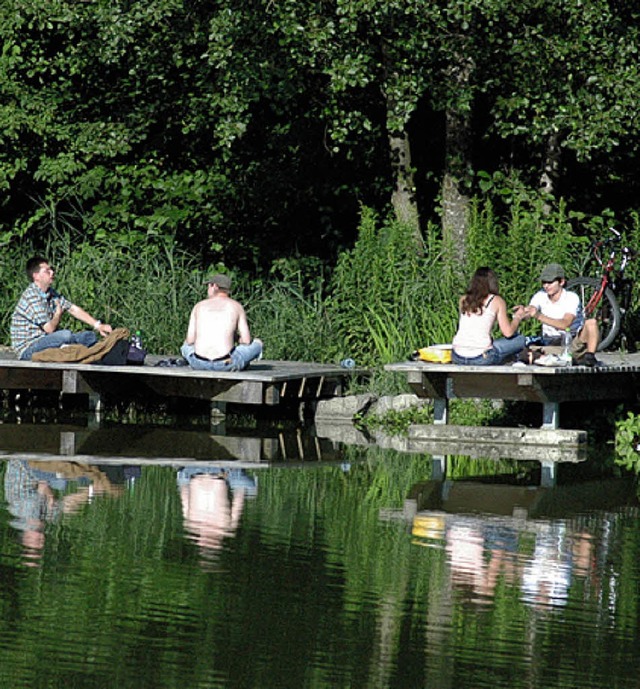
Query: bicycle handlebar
point(628, 252)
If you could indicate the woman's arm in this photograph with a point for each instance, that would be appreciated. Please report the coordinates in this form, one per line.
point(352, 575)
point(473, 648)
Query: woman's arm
point(508, 327)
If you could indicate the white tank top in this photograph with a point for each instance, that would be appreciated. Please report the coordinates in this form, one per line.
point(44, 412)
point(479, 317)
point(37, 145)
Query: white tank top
point(474, 331)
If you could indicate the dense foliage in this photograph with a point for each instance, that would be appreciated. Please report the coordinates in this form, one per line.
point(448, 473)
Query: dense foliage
point(251, 131)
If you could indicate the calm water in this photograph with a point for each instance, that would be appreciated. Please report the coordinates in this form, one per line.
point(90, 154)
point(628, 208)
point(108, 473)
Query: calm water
point(325, 567)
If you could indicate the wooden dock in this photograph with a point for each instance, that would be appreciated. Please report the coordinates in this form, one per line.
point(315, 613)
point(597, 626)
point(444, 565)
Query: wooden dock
point(618, 379)
point(264, 383)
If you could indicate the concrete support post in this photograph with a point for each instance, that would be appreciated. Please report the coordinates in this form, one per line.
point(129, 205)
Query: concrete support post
point(551, 415)
point(440, 410)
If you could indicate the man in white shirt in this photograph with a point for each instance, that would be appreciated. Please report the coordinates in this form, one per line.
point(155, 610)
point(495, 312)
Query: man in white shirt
point(558, 309)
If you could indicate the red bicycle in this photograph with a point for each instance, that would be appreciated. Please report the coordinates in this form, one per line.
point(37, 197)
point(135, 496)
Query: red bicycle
point(606, 298)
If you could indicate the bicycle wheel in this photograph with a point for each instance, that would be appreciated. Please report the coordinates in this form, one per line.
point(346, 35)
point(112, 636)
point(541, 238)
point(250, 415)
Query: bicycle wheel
point(606, 312)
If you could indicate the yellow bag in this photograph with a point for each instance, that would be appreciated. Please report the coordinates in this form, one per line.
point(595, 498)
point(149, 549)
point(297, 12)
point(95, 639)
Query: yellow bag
point(436, 354)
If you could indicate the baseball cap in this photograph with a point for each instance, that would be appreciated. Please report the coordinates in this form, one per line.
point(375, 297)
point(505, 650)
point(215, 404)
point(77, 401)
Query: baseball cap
point(223, 281)
point(552, 272)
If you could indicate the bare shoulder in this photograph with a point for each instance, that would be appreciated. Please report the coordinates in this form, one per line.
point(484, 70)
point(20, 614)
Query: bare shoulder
point(235, 305)
point(499, 302)
point(200, 305)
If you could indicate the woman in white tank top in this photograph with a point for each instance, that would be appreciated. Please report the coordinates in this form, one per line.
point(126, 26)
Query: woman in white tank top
point(480, 307)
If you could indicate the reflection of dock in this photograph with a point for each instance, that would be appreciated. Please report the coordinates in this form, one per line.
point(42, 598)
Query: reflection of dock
point(135, 444)
point(500, 443)
point(519, 502)
point(548, 447)
point(484, 498)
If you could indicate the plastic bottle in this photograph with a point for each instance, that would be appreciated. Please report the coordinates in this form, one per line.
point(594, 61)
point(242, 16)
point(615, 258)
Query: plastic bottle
point(348, 363)
point(566, 346)
point(136, 340)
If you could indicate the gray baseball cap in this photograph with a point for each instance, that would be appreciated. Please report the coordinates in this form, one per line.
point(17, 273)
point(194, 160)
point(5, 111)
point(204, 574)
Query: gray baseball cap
point(552, 272)
point(223, 281)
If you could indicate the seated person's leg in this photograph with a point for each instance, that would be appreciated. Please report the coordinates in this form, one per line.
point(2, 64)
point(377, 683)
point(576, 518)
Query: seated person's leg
point(243, 354)
point(87, 338)
point(188, 351)
point(508, 346)
point(51, 341)
point(591, 333)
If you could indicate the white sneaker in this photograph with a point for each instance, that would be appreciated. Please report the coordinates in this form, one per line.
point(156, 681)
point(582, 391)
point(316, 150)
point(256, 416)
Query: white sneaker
point(550, 360)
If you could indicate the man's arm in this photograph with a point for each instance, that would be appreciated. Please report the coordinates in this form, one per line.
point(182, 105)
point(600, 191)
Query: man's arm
point(244, 335)
point(190, 337)
point(558, 323)
point(82, 315)
point(52, 325)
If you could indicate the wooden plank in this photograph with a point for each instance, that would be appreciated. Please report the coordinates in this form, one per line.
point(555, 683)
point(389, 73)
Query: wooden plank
point(30, 379)
point(264, 383)
point(620, 380)
point(532, 385)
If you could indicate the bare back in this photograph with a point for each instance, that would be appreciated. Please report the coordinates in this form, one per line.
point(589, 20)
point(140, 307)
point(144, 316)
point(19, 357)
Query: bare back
point(213, 326)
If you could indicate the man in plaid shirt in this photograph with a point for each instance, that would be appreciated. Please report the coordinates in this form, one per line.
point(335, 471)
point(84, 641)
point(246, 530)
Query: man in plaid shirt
point(35, 320)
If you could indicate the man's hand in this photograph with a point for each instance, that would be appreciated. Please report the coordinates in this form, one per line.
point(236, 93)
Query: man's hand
point(524, 312)
point(104, 329)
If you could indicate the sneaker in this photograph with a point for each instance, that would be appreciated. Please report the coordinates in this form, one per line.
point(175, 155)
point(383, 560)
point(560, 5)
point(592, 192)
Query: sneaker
point(587, 359)
point(519, 364)
point(550, 360)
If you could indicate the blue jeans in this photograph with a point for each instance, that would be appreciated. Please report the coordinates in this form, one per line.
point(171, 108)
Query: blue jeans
point(241, 356)
point(500, 350)
point(55, 340)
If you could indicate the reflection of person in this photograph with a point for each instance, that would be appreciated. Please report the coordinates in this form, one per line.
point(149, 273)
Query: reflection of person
point(464, 549)
point(548, 573)
point(558, 309)
point(36, 317)
point(480, 308)
point(210, 344)
point(209, 515)
point(34, 493)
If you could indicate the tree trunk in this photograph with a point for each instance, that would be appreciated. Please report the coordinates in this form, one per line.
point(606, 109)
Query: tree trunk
point(457, 168)
point(403, 198)
point(551, 173)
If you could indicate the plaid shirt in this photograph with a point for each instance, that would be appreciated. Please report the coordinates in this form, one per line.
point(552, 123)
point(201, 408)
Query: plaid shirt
point(34, 309)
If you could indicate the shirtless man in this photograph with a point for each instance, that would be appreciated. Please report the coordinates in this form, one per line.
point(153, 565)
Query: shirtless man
point(213, 326)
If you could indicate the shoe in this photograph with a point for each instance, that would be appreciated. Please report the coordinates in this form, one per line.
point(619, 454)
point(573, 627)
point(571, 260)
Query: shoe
point(550, 360)
point(519, 364)
point(587, 359)
point(170, 363)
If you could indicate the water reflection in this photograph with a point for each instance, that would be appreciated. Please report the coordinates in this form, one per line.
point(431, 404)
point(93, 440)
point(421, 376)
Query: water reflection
point(212, 503)
point(173, 571)
point(38, 492)
point(543, 542)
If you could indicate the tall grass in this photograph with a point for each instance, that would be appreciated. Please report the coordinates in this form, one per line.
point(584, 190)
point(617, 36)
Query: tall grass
point(149, 287)
point(385, 297)
point(388, 298)
point(288, 311)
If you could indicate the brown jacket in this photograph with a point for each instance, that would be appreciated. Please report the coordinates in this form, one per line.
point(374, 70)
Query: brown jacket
point(79, 354)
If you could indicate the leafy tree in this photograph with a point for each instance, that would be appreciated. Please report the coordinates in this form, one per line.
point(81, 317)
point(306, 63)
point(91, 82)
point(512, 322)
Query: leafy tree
point(570, 82)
